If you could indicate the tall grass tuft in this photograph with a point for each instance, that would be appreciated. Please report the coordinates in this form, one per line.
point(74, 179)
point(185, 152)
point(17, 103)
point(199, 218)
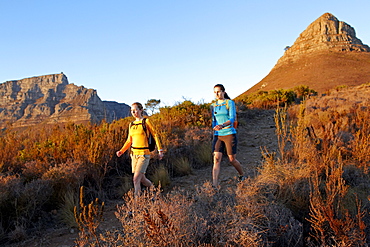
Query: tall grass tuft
point(203, 154)
point(181, 166)
point(68, 204)
point(161, 177)
point(125, 185)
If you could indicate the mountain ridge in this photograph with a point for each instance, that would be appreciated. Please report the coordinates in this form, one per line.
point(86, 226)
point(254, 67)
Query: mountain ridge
point(52, 99)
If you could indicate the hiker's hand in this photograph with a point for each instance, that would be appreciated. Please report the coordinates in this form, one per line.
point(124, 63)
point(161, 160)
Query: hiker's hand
point(218, 127)
point(119, 153)
point(160, 154)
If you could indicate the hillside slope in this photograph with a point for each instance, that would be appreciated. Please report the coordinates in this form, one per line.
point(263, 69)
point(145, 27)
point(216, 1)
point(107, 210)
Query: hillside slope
point(325, 55)
point(320, 71)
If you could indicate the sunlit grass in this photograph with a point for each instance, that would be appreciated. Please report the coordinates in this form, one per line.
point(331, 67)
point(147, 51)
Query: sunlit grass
point(161, 177)
point(323, 152)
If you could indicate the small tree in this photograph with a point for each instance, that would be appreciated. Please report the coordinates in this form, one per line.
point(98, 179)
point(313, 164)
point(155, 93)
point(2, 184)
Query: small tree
point(152, 105)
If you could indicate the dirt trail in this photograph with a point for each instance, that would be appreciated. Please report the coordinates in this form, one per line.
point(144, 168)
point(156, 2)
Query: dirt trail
point(256, 130)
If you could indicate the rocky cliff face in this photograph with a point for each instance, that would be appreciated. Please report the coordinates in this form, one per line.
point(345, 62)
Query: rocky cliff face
point(325, 55)
point(326, 33)
point(51, 99)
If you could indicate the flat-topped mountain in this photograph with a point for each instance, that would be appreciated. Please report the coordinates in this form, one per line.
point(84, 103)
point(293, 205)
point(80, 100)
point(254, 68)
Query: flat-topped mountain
point(51, 99)
point(325, 55)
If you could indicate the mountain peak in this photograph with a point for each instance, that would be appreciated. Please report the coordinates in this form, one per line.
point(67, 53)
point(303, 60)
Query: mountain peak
point(324, 56)
point(326, 33)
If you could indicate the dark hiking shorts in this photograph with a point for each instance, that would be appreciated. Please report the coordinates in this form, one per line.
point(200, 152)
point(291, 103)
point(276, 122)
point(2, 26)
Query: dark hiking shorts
point(229, 141)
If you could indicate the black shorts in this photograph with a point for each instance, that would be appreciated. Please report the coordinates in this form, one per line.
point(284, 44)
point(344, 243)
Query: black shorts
point(220, 142)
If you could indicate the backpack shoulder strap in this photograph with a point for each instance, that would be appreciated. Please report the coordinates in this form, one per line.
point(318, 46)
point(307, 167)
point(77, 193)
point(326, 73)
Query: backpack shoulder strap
point(144, 127)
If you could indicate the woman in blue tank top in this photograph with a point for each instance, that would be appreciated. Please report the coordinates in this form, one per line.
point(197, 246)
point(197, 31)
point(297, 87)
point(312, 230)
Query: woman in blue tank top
point(223, 118)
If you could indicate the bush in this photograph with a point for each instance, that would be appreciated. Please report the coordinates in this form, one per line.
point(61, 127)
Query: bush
point(312, 192)
point(275, 98)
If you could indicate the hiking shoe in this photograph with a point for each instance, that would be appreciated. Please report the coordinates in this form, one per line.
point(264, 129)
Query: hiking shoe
point(215, 188)
point(242, 178)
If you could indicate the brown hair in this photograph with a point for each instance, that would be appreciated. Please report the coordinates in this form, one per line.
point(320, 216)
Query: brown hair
point(223, 90)
point(140, 106)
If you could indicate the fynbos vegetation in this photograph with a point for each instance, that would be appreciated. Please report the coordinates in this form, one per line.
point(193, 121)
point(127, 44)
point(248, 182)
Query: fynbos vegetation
point(275, 98)
point(313, 192)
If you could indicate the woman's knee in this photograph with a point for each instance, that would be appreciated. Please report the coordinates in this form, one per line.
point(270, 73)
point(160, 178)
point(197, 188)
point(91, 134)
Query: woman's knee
point(143, 178)
point(232, 158)
point(217, 157)
point(137, 178)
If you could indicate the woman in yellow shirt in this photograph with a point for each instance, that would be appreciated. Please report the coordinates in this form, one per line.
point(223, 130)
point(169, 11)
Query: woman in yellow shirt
point(138, 141)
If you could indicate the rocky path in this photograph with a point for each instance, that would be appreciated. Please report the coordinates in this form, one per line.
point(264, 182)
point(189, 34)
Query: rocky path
point(256, 131)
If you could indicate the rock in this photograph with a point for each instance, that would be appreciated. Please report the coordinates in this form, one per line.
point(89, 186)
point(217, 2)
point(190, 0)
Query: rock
point(51, 99)
point(326, 33)
point(327, 54)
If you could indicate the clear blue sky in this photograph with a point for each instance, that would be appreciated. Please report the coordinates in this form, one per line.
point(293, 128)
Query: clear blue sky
point(152, 49)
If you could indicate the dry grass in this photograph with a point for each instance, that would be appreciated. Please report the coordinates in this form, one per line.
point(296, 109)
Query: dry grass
point(161, 176)
point(125, 185)
point(88, 218)
point(301, 196)
point(71, 200)
point(315, 148)
point(203, 154)
point(69, 155)
point(206, 218)
point(313, 192)
point(330, 220)
point(182, 166)
point(153, 219)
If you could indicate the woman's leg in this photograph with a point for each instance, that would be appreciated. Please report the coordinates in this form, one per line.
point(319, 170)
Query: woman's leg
point(145, 181)
point(138, 176)
point(217, 157)
point(140, 164)
point(235, 163)
point(138, 179)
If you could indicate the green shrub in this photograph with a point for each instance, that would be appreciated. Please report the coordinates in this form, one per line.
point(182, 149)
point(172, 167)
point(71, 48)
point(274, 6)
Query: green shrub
point(275, 98)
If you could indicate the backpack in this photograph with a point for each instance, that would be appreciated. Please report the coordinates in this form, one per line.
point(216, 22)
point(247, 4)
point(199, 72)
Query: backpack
point(150, 137)
point(236, 123)
point(151, 140)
